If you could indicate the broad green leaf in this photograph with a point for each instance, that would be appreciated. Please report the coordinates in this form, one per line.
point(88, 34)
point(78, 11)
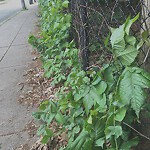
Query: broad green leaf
point(97, 80)
point(119, 116)
point(108, 76)
point(84, 90)
point(102, 104)
point(101, 87)
point(41, 130)
point(107, 40)
point(79, 141)
point(100, 142)
point(136, 18)
point(59, 118)
point(88, 144)
point(128, 55)
point(139, 45)
point(89, 119)
point(50, 117)
point(77, 96)
point(120, 46)
point(113, 131)
point(65, 3)
point(129, 23)
point(88, 103)
point(49, 132)
point(117, 35)
point(131, 88)
point(76, 129)
point(130, 40)
point(45, 139)
point(44, 105)
point(129, 144)
point(99, 99)
point(93, 93)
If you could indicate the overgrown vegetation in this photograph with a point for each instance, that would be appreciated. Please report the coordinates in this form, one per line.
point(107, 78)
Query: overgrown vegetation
point(96, 108)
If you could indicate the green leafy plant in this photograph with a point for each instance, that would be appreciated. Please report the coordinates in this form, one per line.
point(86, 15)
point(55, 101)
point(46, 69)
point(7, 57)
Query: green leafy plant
point(57, 53)
point(95, 108)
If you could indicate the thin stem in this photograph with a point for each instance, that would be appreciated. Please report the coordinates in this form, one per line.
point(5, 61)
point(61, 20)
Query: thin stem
point(136, 131)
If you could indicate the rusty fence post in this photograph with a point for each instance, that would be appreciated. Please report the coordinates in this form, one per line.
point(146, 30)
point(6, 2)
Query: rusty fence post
point(83, 34)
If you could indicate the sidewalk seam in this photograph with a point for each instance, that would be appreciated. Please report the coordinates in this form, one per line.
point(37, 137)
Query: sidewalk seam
point(14, 15)
point(13, 40)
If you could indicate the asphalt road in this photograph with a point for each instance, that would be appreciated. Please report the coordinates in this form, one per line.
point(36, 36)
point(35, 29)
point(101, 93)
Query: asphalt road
point(9, 8)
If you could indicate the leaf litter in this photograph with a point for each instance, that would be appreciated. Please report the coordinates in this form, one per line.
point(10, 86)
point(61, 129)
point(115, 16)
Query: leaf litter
point(35, 90)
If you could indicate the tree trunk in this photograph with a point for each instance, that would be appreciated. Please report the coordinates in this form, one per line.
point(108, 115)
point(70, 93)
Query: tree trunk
point(23, 4)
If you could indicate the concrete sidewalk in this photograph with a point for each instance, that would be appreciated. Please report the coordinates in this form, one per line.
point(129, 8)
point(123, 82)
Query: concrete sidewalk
point(15, 56)
point(8, 8)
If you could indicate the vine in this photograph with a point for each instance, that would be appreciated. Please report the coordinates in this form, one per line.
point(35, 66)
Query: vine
point(96, 108)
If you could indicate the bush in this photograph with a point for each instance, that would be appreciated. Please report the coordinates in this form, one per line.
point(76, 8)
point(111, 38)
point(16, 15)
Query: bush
point(95, 108)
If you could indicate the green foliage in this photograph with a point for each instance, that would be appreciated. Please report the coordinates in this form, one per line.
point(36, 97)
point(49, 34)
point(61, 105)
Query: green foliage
point(124, 47)
point(58, 54)
point(92, 106)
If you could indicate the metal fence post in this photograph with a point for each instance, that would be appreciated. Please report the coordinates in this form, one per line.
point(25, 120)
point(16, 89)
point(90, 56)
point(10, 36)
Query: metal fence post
point(83, 34)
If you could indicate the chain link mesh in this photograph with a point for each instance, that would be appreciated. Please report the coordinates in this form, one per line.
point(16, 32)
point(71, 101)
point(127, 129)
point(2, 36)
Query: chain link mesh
point(95, 17)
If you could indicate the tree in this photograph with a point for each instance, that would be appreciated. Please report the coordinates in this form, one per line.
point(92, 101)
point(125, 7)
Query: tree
point(23, 4)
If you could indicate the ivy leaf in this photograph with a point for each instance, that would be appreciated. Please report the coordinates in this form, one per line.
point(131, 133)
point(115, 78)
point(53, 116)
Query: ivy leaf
point(100, 142)
point(131, 88)
point(113, 131)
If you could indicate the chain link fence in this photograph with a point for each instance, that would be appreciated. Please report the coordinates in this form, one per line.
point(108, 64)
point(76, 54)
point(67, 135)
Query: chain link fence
point(92, 20)
point(91, 24)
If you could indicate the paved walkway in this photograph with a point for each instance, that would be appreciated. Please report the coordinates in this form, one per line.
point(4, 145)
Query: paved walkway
point(8, 8)
point(15, 55)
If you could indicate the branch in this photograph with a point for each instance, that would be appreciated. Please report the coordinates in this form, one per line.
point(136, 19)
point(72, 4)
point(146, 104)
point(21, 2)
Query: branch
point(142, 135)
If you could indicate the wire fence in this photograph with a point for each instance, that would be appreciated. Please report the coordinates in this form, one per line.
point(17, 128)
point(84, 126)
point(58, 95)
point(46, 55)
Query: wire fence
point(92, 20)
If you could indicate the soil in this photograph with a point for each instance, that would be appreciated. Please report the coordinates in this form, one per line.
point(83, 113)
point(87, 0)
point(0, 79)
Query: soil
point(35, 90)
